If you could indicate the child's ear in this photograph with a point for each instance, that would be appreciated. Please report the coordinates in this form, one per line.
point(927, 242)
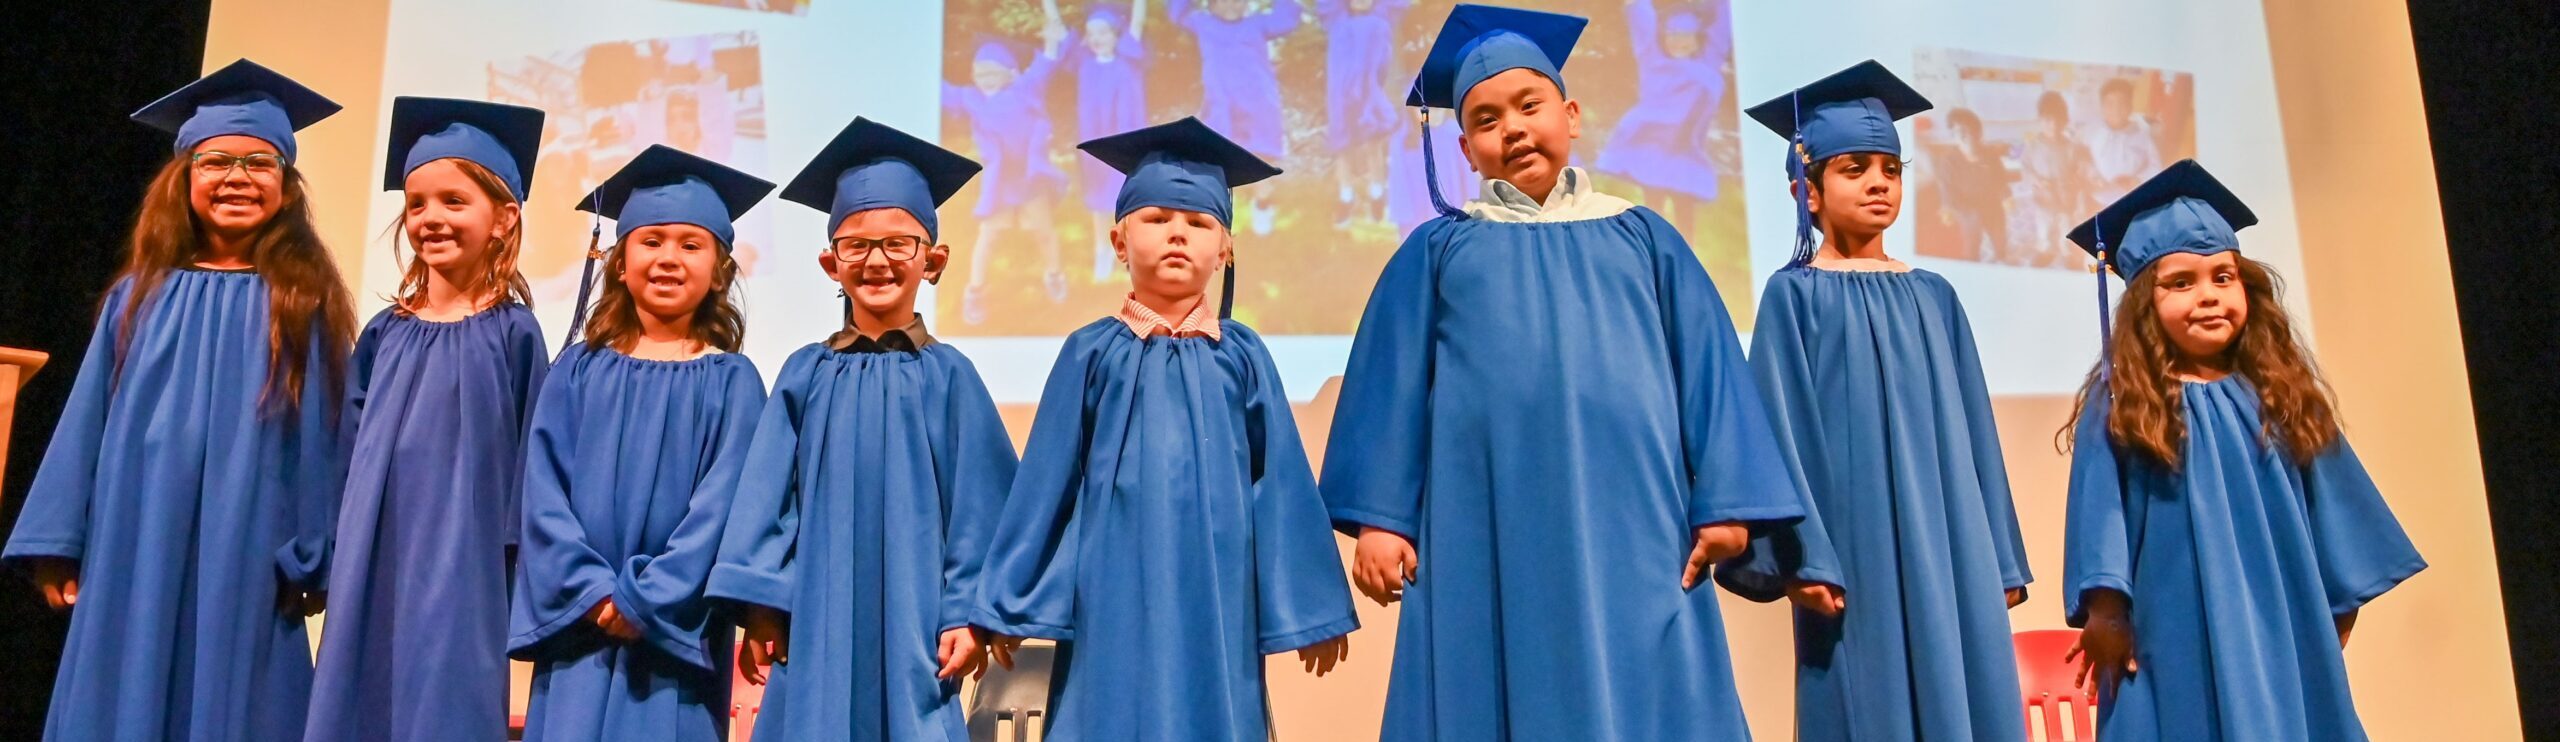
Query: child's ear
point(1573, 118)
point(827, 262)
point(1119, 244)
point(508, 214)
point(934, 261)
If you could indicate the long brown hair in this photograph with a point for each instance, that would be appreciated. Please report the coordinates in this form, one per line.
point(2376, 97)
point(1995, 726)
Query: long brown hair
point(305, 294)
point(2295, 406)
point(717, 322)
point(499, 264)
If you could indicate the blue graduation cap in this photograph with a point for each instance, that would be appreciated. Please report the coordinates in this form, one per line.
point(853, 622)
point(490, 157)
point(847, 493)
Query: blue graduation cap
point(497, 136)
point(1849, 112)
point(872, 166)
point(1478, 42)
point(1182, 165)
point(665, 185)
point(2182, 209)
point(241, 98)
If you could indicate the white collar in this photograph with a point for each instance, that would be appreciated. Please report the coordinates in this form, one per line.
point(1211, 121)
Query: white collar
point(1572, 199)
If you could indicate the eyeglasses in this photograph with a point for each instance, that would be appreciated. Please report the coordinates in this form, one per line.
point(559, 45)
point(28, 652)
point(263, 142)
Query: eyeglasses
point(214, 165)
point(899, 248)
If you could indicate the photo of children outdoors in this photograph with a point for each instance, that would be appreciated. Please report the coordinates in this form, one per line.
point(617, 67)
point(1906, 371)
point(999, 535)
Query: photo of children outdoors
point(2020, 149)
point(1316, 87)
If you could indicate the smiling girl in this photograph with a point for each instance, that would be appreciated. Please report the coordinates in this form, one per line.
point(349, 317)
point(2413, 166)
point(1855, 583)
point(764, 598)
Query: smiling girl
point(444, 380)
point(2221, 533)
point(182, 511)
point(634, 447)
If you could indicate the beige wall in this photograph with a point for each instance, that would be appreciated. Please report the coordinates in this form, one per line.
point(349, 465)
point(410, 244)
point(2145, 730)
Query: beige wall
point(2428, 661)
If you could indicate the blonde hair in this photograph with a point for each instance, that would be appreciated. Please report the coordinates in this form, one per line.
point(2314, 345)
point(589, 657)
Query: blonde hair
point(499, 265)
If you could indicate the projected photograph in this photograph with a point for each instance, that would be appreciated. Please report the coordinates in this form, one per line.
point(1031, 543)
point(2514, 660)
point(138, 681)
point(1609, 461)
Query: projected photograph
point(2019, 150)
point(607, 102)
point(1318, 89)
point(786, 7)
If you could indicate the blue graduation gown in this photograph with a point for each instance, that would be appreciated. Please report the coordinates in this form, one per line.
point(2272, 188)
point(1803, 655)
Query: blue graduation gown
point(1166, 530)
point(185, 501)
point(628, 471)
point(2285, 548)
point(1549, 410)
point(414, 647)
point(862, 512)
point(1876, 391)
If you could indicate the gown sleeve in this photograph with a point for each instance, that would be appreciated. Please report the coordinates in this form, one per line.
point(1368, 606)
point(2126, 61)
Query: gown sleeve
point(1736, 473)
point(976, 467)
point(1990, 470)
point(1380, 448)
point(758, 562)
point(527, 365)
point(323, 438)
point(1801, 551)
point(1298, 576)
point(559, 576)
point(1644, 35)
point(2363, 553)
point(2097, 551)
point(1028, 585)
point(663, 593)
point(54, 522)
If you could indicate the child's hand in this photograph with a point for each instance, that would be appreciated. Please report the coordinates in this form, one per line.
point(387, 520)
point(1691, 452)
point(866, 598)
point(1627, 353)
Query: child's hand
point(2017, 595)
point(1817, 597)
point(1383, 564)
point(1320, 657)
point(609, 618)
point(1000, 647)
point(59, 579)
point(960, 653)
point(752, 660)
point(1716, 542)
point(2105, 648)
point(769, 633)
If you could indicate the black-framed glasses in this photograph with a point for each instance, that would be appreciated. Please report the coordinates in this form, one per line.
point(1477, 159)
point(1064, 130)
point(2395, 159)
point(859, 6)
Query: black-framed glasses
point(214, 165)
point(900, 248)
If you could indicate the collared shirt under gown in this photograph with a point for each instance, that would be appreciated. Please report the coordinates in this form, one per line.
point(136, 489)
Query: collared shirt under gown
point(1549, 409)
point(629, 468)
point(414, 644)
point(1166, 531)
point(878, 465)
point(2237, 564)
point(186, 499)
point(1875, 388)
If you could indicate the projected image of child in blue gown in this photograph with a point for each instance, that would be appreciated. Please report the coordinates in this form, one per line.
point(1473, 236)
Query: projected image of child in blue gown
point(1109, 57)
point(1006, 107)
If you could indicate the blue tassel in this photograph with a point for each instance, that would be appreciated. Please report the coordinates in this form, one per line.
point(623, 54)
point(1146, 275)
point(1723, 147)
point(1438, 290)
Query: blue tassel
point(586, 275)
point(1430, 170)
point(2106, 324)
point(1796, 163)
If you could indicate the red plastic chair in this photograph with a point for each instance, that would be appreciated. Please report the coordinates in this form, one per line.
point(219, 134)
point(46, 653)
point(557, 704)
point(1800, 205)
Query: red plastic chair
point(746, 701)
point(2045, 685)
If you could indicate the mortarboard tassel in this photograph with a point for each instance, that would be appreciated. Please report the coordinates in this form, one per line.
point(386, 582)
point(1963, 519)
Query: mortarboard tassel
point(1227, 296)
point(587, 273)
point(1430, 168)
point(1797, 161)
point(2106, 324)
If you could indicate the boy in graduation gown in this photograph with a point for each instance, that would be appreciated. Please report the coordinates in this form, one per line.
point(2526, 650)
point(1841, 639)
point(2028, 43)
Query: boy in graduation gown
point(1876, 391)
point(853, 542)
point(629, 463)
point(182, 512)
point(1546, 414)
point(2221, 535)
point(1166, 528)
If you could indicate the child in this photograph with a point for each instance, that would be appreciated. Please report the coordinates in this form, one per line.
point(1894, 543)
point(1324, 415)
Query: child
point(443, 384)
point(1973, 190)
point(1547, 405)
point(1239, 87)
point(1111, 96)
point(1360, 45)
point(185, 502)
point(1009, 120)
point(1876, 391)
point(2121, 147)
point(629, 464)
point(1166, 528)
point(2056, 167)
point(1662, 142)
point(2222, 534)
point(853, 545)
